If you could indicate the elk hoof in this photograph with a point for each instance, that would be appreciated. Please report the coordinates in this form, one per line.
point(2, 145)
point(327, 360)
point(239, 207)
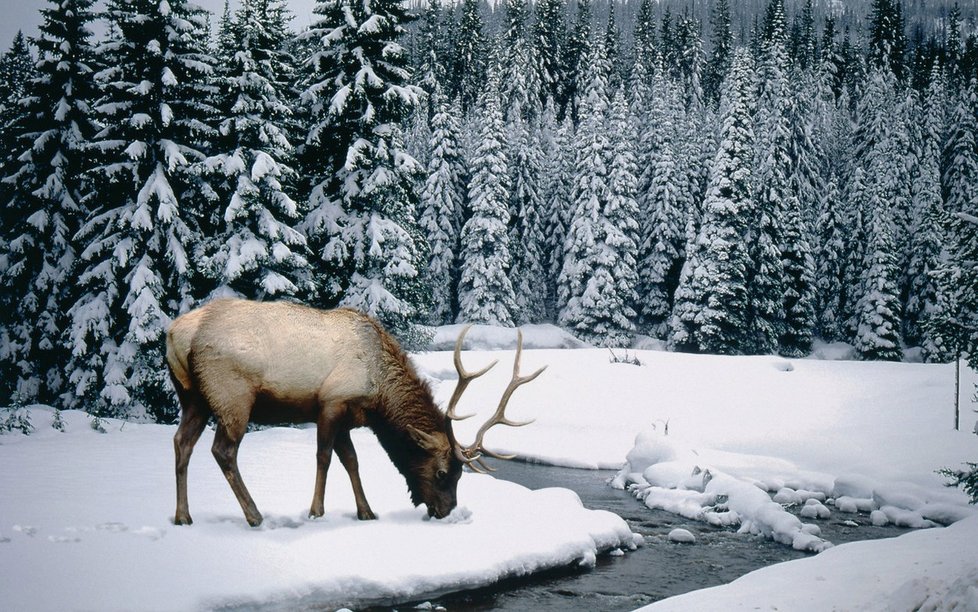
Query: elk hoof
point(254, 521)
point(183, 519)
point(316, 513)
point(366, 515)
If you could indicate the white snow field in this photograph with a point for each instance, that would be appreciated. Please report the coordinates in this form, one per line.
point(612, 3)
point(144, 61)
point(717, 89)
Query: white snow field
point(85, 518)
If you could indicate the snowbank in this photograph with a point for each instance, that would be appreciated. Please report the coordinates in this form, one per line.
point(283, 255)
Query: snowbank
point(492, 337)
point(85, 522)
point(936, 569)
point(724, 489)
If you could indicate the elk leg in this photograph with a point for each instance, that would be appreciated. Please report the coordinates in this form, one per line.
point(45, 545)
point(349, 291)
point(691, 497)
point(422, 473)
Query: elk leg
point(325, 440)
point(225, 449)
point(193, 419)
point(348, 457)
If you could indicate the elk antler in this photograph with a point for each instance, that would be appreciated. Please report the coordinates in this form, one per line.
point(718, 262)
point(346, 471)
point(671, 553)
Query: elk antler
point(472, 455)
point(464, 377)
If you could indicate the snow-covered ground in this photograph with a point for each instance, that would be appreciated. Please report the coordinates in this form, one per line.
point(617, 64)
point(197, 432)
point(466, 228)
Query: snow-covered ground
point(85, 518)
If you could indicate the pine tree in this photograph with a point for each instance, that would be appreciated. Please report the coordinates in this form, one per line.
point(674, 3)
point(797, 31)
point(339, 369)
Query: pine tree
point(137, 268)
point(711, 310)
point(550, 39)
point(441, 205)
point(520, 78)
point(576, 53)
point(887, 40)
point(598, 277)
point(613, 51)
point(926, 232)
point(689, 61)
point(662, 251)
point(617, 322)
point(878, 310)
point(16, 71)
point(959, 181)
point(804, 48)
point(556, 143)
point(485, 290)
point(257, 251)
point(644, 44)
point(879, 143)
point(526, 206)
point(829, 265)
point(719, 64)
point(366, 200)
point(45, 208)
point(856, 221)
point(470, 56)
point(799, 271)
point(590, 192)
point(767, 276)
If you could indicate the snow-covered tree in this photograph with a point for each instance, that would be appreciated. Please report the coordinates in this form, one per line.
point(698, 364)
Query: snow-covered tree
point(619, 260)
point(926, 231)
point(485, 291)
point(520, 78)
point(722, 52)
point(137, 267)
point(662, 202)
point(799, 271)
point(363, 209)
point(257, 252)
point(878, 310)
point(960, 154)
point(576, 53)
point(16, 71)
point(470, 59)
point(45, 208)
point(597, 282)
point(772, 187)
point(550, 37)
point(526, 226)
point(441, 204)
point(556, 143)
point(712, 310)
point(829, 263)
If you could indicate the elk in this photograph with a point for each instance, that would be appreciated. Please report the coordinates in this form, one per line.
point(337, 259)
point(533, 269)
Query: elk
point(244, 362)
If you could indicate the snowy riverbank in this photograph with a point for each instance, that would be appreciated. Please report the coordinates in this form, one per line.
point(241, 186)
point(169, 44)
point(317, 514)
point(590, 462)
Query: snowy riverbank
point(85, 517)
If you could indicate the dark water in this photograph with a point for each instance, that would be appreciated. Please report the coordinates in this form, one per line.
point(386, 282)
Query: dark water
point(655, 571)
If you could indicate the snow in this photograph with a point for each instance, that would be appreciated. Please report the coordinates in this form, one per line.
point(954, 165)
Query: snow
point(97, 509)
point(935, 569)
point(829, 437)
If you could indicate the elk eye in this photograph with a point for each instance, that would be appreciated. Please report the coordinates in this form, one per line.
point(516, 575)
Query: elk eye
point(441, 474)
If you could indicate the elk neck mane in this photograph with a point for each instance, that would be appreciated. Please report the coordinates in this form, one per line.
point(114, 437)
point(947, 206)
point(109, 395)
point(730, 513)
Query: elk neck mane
point(404, 400)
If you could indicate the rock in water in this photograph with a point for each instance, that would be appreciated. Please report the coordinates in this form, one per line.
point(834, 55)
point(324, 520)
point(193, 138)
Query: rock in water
point(682, 536)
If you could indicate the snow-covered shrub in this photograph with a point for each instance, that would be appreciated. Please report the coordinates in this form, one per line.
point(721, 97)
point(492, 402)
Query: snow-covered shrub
point(625, 358)
point(98, 423)
point(16, 418)
point(966, 479)
point(58, 423)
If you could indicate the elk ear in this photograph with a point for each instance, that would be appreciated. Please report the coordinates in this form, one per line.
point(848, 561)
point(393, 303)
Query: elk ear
point(427, 441)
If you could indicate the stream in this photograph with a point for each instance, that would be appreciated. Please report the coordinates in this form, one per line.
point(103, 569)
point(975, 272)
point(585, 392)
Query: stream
point(655, 571)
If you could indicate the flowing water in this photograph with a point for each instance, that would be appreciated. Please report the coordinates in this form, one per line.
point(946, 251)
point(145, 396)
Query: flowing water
point(655, 571)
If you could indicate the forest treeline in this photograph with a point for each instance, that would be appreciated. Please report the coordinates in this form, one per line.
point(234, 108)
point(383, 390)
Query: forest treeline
point(740, 183)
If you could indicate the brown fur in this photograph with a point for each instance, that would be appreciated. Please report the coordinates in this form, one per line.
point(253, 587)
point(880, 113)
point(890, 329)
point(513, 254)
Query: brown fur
point(277, 362)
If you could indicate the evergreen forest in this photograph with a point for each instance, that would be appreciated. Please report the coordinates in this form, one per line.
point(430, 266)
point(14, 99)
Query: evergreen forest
point(729, 177)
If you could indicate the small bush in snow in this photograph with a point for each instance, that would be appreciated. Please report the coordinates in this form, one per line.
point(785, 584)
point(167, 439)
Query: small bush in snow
point(966, 479)
point(58, 423)
point(626, 358)
point(98, 424)
point(14, 418)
